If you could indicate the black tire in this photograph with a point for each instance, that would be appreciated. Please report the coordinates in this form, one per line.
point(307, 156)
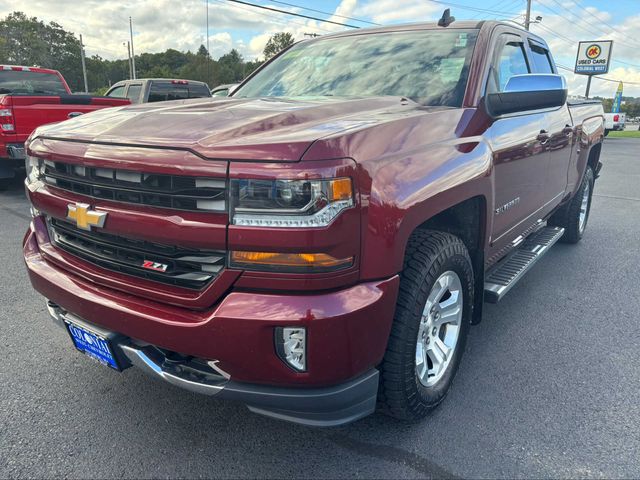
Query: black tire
point(568, 217)
point(429, 254)
point(606, 132)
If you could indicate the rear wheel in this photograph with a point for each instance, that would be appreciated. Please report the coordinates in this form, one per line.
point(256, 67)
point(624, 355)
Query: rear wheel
point(574, 216)
point(430, 327)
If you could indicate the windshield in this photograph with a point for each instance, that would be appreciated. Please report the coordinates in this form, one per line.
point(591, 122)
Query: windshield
point(29, 83)
point(427, 66)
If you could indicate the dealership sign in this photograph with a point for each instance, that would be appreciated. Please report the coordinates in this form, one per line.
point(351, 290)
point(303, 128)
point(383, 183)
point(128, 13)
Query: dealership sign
point(593, 57)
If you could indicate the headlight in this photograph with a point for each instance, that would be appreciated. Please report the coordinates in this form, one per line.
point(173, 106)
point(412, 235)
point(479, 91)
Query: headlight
point(289, 203)
point(34, 167)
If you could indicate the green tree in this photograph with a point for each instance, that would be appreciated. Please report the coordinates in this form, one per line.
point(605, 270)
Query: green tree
point(277, 43)
point(28, 41)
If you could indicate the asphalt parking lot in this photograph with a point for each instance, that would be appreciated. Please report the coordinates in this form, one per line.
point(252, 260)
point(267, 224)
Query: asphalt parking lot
point(549, 385)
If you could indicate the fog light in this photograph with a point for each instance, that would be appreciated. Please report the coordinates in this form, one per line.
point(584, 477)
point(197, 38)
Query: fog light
point(291, 346)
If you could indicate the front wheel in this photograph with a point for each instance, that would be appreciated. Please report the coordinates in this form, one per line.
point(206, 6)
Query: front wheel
point(431, 323)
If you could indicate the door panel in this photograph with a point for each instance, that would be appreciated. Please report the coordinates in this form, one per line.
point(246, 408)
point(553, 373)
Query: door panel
point(559, 126)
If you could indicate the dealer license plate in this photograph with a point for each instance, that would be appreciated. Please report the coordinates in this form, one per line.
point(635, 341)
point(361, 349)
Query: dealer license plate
point(93, 345)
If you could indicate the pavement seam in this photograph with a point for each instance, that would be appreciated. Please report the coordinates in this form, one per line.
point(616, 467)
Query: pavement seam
point(616, 197)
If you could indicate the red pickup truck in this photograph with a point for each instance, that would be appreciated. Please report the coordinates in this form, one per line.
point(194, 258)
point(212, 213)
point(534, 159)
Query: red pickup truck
point(322, 241)
point(30, 97)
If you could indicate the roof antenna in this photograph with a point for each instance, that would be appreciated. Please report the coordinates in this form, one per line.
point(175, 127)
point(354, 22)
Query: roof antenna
point(446, 19)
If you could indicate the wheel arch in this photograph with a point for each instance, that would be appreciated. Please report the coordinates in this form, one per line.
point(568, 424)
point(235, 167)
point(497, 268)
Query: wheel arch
point(466, 220)
point(593, 159)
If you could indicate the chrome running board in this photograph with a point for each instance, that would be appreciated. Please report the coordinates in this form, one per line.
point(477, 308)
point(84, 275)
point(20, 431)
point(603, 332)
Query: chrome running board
point(500, 279)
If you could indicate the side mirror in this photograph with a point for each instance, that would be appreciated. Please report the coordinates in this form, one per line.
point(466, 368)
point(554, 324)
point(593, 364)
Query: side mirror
point(532, 91)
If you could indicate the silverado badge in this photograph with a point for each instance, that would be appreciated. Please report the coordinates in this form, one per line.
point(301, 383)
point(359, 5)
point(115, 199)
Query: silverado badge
point(85, 218)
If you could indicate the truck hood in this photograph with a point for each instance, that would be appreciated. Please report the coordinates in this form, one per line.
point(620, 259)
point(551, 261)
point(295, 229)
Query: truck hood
point(273, 129)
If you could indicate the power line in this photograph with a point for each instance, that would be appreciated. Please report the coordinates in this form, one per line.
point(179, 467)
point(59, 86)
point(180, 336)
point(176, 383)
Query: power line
point(575, 42)
point(473, 9)
point(276, 18)
point(294, 14)
point(500, 4)
point(326, 13)
point(587, 21)
point(579, 5)
point(564, 67)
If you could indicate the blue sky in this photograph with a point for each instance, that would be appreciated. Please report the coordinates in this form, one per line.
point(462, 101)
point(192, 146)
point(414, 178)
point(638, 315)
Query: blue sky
point(180, 24)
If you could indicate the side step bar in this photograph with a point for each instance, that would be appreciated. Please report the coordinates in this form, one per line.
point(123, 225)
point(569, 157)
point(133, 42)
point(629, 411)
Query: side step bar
point(506, 274)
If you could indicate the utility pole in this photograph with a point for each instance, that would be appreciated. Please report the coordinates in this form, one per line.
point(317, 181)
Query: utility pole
point(84, 67)
point(133, 55)
point(129, 59)
point(527, 18)
point(208, 54)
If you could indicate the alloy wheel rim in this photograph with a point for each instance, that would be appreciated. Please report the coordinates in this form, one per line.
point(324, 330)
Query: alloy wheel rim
point(584, 208)
point(439, 329)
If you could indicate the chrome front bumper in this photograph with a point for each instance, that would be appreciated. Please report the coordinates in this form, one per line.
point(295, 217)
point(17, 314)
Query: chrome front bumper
point(152, 361)
point(326, 406)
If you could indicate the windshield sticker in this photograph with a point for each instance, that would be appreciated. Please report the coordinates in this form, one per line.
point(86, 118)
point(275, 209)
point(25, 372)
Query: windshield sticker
point(461, 41)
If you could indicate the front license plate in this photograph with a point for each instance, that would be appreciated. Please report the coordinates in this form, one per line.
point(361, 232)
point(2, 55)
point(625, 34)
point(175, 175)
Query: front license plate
point(92, 344)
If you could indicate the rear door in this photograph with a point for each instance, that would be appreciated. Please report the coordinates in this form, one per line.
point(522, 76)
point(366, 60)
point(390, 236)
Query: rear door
point(520, 159)
point(558, 126)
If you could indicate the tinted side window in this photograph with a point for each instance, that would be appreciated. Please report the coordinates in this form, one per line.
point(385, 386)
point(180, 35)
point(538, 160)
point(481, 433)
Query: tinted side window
point(511, 61)
point(133, 93)
point(540, 59)
point(199, 90)
point(160, 92)
point(117, 92)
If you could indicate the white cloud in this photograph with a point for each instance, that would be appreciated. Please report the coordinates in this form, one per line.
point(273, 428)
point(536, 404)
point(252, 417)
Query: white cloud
point(397, 11)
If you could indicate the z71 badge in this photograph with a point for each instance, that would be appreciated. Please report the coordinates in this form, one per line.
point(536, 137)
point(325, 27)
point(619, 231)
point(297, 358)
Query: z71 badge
point(158, 267)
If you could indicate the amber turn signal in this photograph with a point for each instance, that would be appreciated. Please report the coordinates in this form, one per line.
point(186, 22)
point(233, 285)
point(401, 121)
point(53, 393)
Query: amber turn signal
point(340, 189)
point(288, 261)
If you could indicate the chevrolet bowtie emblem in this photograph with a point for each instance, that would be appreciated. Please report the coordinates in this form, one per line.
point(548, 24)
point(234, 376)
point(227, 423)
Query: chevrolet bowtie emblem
point(85, 218)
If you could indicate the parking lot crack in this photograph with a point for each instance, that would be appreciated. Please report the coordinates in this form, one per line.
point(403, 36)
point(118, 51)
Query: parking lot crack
point(393, 454)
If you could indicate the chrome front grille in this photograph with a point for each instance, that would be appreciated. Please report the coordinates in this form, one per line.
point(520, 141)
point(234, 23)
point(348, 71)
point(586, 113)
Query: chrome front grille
point(184, 267)
point(157, 190)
